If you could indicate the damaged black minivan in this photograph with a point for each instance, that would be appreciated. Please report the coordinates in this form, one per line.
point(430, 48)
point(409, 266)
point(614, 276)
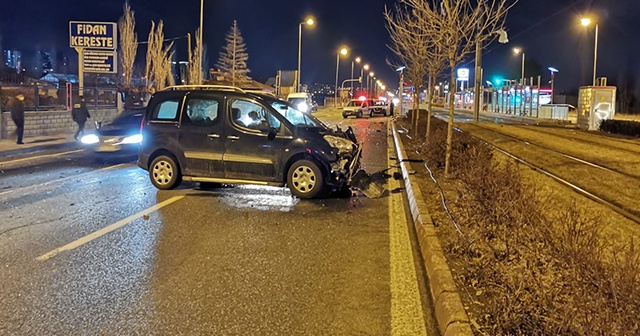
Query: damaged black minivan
point(223, 134)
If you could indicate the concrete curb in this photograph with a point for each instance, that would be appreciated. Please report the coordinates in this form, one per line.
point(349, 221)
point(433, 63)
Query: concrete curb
point(450, 314)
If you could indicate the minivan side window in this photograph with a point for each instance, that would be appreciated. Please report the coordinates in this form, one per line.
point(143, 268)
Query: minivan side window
point(167, 110)
point(202, 112)
point(246, 114)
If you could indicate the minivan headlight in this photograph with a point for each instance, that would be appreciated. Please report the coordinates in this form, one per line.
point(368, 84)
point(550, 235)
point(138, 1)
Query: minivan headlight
point(341, 144)
point(133, 139)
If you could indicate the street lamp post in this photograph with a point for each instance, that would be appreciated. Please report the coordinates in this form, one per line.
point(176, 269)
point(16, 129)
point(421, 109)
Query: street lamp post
point(201, 57)
point(553, 72)
point(344, 52)
point(517, 51)
point(366, 67)
point(357, 60)
point(586, 22)
point(308, 22)
point(369, 79)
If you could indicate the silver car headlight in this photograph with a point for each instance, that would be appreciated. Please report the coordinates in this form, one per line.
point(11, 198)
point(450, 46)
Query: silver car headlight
point(134, 139)
point(341, 144)
point(90, 139)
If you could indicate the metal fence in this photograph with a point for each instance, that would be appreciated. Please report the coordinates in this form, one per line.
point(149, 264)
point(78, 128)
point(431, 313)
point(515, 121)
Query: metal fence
point(49, 97)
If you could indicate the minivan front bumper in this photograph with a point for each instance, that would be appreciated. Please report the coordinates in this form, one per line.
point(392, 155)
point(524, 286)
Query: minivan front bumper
point(345, 167)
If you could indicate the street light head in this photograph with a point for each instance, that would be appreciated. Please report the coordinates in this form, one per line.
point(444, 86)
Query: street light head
point(585, 21)
point(344, 51)
point(517, 51)
point(366, 66)
point(358, 60)
point(552, 69)
point(371, 74)
point(310, 22)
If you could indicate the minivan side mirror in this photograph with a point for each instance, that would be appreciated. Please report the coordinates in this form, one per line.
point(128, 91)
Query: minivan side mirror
point(272, 133)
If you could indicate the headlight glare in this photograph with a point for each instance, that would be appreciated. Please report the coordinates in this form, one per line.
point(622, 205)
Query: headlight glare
point(89, 139)
point(133, 139)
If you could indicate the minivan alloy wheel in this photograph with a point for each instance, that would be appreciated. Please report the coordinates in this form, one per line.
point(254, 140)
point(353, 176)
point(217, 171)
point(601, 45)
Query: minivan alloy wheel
point(305, 179)
point(163, 172)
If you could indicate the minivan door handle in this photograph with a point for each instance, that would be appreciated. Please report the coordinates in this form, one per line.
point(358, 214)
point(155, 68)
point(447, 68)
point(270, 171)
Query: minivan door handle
point(233, 137)
point(213, 136)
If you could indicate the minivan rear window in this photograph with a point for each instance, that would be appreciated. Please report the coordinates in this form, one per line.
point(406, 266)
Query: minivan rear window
point(167, 110)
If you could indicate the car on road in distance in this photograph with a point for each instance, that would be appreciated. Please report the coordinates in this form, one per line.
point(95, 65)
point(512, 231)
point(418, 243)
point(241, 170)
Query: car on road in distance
point(223, 134)
point(356, 107)
point(377, 106)
point(302, 101)
point(121, 136)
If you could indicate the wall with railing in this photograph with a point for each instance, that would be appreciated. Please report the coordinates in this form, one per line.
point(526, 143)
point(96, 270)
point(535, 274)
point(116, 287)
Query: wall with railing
point(49, 97)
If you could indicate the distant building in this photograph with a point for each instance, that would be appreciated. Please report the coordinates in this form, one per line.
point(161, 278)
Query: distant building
point(180, 72)
point(12, 59)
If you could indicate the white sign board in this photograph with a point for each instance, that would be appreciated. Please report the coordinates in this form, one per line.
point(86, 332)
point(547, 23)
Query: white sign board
point(463, 74)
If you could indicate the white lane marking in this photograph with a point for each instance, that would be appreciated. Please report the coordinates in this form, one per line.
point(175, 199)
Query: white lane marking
point(407, 316)
point(2, 163)
point(105, 230)
point(39, 186)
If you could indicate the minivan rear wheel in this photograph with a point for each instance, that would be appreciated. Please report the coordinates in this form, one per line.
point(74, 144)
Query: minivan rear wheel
point(305, 179)
point(164, 172)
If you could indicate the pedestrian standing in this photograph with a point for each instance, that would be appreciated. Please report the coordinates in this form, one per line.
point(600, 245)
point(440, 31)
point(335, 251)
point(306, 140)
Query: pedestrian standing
point(17, 114)
point(80, 114)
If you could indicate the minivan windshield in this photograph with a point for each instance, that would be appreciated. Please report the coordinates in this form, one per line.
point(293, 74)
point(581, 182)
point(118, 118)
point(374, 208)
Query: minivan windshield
point(296, 117)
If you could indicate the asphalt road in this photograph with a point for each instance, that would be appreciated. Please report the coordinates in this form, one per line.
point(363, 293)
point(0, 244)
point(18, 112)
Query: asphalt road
point(90, 247)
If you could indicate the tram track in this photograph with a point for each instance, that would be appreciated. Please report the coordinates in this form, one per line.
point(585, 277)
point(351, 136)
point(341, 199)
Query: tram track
point(599, 190)
point(630, 146)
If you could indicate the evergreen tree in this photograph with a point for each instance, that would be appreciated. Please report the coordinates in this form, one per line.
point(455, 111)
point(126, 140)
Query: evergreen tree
point(233, 58)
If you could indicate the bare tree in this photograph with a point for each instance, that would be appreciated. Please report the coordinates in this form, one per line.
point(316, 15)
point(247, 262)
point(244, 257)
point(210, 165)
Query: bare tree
point(158, 69)
point(409, 44)
point(233, 58)
point(194, 69)
point(461, 25)
point(128, 44)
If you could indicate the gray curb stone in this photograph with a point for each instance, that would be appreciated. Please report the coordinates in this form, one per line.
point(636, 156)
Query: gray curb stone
point(450, 314)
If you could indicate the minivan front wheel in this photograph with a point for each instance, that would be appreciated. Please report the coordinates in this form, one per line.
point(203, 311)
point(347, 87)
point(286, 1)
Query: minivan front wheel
point(164, 172)
point(305, 179)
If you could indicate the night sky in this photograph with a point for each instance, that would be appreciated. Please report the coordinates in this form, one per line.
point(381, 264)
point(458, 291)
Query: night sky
point(547, 30)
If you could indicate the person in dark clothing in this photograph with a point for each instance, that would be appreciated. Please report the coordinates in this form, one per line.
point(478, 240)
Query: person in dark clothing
point(80, 114)
point(17, 114)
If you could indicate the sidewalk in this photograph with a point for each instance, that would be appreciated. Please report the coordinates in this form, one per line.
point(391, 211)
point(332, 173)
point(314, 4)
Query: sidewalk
point(8, 147)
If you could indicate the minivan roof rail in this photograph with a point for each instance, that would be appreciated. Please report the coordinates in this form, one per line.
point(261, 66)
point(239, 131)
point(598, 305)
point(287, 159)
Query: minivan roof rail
point(204, 87)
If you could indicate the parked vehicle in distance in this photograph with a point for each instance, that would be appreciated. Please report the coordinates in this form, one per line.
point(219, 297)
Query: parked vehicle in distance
point(121, 136)
point(302, 101)
point(222, 134)
point(355, 107)
point(377, 106)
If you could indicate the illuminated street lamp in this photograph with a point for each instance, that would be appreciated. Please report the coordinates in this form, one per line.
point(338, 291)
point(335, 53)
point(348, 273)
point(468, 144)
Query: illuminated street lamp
point(586, 22)
point(553, 71)
point(309, 22)
point(517, 51)
point(343, 51)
